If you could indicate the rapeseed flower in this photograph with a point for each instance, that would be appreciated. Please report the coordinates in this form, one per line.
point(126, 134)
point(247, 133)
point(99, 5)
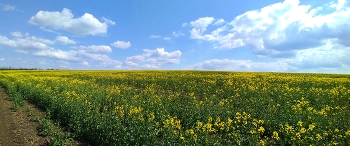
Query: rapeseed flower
point(275, 135)
point(311, 127)
point(261, 129)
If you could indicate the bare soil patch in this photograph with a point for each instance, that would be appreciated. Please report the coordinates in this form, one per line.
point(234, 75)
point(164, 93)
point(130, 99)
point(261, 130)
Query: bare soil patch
point(16, 128)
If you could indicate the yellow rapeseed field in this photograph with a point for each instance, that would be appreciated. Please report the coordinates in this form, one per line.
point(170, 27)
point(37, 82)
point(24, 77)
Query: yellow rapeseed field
point(191, 107)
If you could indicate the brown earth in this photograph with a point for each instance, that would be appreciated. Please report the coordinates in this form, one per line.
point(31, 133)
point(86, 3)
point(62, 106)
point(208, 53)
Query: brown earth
point(16, 127)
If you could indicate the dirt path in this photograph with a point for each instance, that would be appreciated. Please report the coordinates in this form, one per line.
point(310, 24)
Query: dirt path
point(16, 128)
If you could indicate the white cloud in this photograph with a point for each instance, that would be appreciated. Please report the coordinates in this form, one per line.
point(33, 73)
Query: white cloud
point(276, 28)
point(240, 65)
point(58, 54)
point(154, 36)
point(2, 59)
point(287, 31)
point(84, 25)
point(167, 38)
point(8, 7)
point(102, 49)
point(219, 22)
point(200, 25)
point(162, 57)
point(110, 22)
point(41, 40)
point(22, 51)
point(159, 36)
point(178, 34)
point(184, 24)
point(150, 66)
point(331, 56)
point(153, 59)
point(7, 42)
point(340, 5)
point(85, 63)
point(92, 56)
point(82, 55)
point(26, 44)
point(102, 60)
point(17, 34)
point(64, 40)
point(121, 44)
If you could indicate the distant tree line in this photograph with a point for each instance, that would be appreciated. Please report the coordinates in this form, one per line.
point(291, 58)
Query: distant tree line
point(20, 68)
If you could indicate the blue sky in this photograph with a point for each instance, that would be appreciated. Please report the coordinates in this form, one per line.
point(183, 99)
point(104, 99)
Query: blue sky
point(251, 35)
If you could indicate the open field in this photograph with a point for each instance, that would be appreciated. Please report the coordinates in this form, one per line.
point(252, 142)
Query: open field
point(191, 107)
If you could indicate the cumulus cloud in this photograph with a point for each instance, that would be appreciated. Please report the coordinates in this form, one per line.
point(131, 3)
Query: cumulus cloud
point(57, 54)
point(177, 34)
point(84, 25)
point(153, 59)
point(287, 31)
point(64, 40)
point(340, 5)
point(16, 34)
point(279, 27)
point(199, 26)
point(97, 55)
point(240, 65)
point(121, 44)
point(330, 58)
point(219, 22)
point(331, 55)
point(27, 43)
point(95, 49)
point(4, 41)
point(93, 56)
point(85, 63)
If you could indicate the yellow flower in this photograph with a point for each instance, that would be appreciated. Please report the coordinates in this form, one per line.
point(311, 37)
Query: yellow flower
point(302, 130)
point(275, 135)
point(182, 138)
point(262, 143)
point(252, 131)
point(289, 129)
point(336, 130)
point(300, 123)
point(261, 122)
point(229, 121)
point(318, 136)
point(325, 133)
point(210, 119)
point(311, 127)
point(199, 125)
point(261, 129)
point(189, 132)
point(347, 133)
point(255, 122)
point(177, 124)
point(195, 138)
point(297, 135)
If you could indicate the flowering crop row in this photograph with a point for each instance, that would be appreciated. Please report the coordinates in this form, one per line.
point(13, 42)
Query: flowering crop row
point(191, 107)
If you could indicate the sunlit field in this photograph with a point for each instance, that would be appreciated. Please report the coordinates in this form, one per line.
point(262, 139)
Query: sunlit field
point(191, 107)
